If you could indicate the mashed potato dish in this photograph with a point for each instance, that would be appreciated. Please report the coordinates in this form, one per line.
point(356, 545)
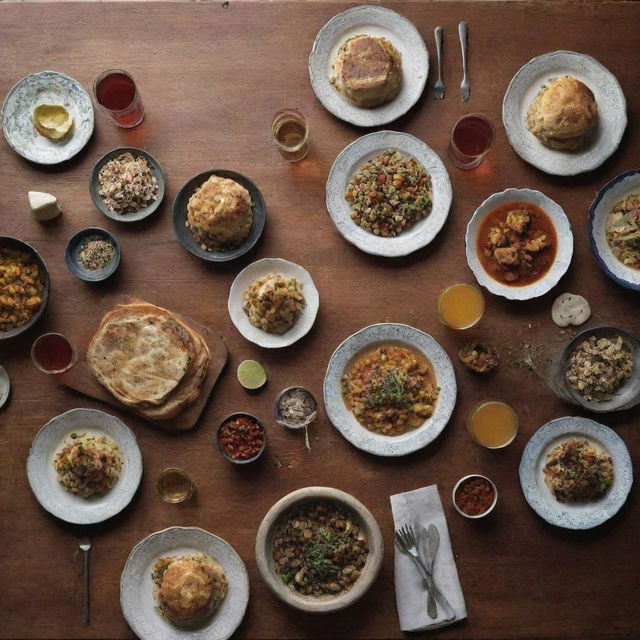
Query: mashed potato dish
point(219, 214)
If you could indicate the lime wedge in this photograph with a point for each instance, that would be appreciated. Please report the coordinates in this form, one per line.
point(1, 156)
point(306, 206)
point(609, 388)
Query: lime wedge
point(251, 374)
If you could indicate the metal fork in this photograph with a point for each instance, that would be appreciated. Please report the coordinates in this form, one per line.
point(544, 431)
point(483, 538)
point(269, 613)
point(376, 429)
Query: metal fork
point(85, 546)
point(464, 85)
point(406, 542)
point(438, 87)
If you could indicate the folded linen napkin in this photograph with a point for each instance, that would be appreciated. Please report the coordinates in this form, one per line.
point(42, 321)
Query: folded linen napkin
point(420, 508)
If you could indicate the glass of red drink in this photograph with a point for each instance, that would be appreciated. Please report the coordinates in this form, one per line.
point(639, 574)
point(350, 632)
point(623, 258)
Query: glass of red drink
point(471, 138)
point(53, 353)
point(118, 96)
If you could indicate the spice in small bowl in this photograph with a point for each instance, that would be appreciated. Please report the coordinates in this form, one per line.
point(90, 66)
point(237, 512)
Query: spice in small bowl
point(474, 496)
point(241, 438)
point(92, 254)
point(295, 408)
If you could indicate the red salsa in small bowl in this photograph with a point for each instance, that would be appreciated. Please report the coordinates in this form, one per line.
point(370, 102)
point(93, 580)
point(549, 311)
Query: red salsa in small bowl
point(474, 496)
point(241, 438)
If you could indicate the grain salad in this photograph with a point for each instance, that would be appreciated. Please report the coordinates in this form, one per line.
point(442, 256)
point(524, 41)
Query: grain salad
point(623, 231)
point(21, 288)
point(389, 194)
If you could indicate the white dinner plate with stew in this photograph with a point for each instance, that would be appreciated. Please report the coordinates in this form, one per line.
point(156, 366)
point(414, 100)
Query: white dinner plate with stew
point(137, 588)
point(564, 244)
point(348, 163)
point(378, 22)
point(577, 515)
point(43, 478)
point(367, 339)
point(612, 112)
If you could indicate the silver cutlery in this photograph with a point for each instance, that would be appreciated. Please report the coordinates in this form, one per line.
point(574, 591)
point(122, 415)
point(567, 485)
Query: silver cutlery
point(85, 546)
point(438, 87)
point(464, 85)
point(433, 544)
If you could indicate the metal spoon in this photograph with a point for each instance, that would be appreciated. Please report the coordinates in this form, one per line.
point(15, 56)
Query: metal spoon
point(438, 87)
point(85, 546)
point(464, 86)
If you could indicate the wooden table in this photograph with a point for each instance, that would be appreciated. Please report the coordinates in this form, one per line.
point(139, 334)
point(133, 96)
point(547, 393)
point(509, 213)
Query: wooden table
point(211, 78)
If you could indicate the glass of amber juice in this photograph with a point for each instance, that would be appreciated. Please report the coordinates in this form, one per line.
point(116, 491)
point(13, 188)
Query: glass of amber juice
point(174, 485)
point(460, 306)
point(471, 138)
point(492, 424)
point(118, 96)
point(290, 132)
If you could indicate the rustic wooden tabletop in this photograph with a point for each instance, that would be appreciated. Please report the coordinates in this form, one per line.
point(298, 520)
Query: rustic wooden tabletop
point(211, 78)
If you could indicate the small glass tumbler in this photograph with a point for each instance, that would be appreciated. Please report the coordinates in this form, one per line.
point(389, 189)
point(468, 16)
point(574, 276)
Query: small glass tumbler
point(174, 485)
point(53, 353)
point(460, 306)
point(118, 96)
point(471, 138)
point(290, 132)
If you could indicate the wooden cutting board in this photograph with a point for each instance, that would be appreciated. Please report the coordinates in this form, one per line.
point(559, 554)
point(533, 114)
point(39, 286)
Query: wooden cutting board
point(80, 378)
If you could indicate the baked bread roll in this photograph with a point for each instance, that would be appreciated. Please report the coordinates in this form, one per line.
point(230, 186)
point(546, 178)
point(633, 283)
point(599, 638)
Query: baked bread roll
point(368, 71)
point(563, 113)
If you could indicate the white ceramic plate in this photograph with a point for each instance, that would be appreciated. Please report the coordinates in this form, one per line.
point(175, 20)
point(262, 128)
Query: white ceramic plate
point(46, 87)
point(136, 585)
point(612, 111)
point(564, 251)
point(578, 515)
point(352, 157)
point(344, 420)
point(617, 189)
point(262, 268)
point(5, 386)
point(373, 21)
point(43, 478)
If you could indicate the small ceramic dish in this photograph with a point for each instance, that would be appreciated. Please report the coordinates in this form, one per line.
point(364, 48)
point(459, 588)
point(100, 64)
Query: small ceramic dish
point(259, 269)
point(612, 112)
point(373, 21)
point(614, 191)
point(46, 87)
point(253, 419)
point(564, 251)
point(180, 216)
point(5, 386)
point(134, 216)
point(281, 419)
point(75, 245)
point(325, 603)
point(344, 420)
point(464, 480)
point(15, 243)
point(578, 515)
point(137, 587)
point(625, 396)
point(352, 157)
point(43, 477)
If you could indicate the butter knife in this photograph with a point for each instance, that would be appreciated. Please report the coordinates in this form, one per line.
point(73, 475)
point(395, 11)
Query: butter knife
point(433, 544)
point(464, 86)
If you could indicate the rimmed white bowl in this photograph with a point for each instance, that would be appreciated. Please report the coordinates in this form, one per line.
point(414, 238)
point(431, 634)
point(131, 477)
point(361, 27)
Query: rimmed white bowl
point(615, 190)
point(326, 603)
point(373, 21)
point(44, 480)
point(612, 112)
point(564, 250)
point(345, 422)
point(352, 157)
point(262, 268)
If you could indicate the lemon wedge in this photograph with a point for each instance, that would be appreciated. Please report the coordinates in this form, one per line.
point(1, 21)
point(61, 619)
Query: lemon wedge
point(52, 121)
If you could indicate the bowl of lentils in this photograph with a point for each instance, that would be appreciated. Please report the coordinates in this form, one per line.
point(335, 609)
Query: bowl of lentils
point(92, 254)
point(319, 549)
point(242, 438)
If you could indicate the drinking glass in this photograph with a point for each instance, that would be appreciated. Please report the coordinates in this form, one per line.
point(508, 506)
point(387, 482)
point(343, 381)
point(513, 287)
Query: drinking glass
point(53, 353)
point(290, 132)
point(492, 424)
point(174, 485)
point(118, 96)
point(460, 306)
point(471, 138)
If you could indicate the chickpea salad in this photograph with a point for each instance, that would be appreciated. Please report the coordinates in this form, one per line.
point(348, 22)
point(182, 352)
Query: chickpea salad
point(318, 549)
point(389, 194)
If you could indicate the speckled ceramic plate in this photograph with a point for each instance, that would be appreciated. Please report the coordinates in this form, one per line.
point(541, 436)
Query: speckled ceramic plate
point(43, 478)
point(352, 157)
point(263, 268)
point(563, 254)
point(373, 21)
point(46, 87)
point(134, 216)
point(578, 515)
point(5, 386)
point(612, 111)
point(136, 586)
point(344, 420)
point(613, 192)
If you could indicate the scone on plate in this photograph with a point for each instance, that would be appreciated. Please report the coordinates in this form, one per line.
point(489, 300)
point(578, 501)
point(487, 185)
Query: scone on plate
point(368, 71)
point(563, 113)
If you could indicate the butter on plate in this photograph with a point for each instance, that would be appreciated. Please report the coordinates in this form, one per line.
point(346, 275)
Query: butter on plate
point(44, 206)
point(52, 121)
